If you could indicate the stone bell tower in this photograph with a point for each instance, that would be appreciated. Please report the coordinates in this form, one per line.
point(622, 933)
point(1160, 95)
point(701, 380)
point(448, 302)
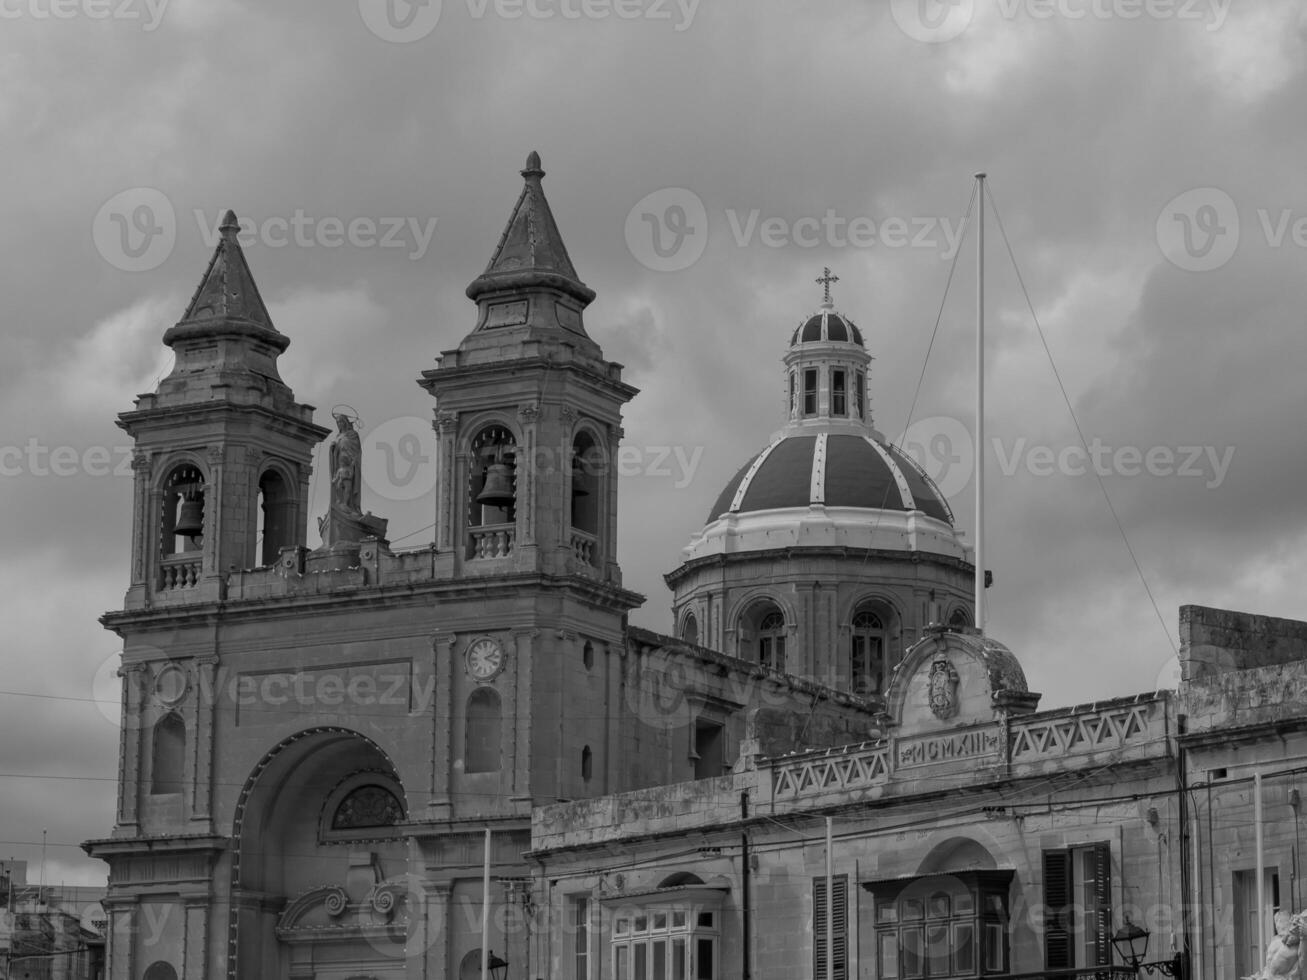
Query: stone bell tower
point(529, 415)
point(223, 450)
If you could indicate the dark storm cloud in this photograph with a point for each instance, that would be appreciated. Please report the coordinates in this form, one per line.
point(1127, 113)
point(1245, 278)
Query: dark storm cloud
point(297, 114)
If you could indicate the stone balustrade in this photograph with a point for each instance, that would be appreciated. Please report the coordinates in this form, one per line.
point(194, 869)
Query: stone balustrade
point(493, 540)
point(179, 571)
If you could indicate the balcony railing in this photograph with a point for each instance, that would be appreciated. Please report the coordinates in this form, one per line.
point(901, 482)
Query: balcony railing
point(179, 571)
point(493, 540)
point(1114, 972)
point(583, 546)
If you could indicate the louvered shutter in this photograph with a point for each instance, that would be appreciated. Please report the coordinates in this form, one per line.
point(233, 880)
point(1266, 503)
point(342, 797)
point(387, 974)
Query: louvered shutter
point(1101, 915)
point(1057, 911)
point(839, 923)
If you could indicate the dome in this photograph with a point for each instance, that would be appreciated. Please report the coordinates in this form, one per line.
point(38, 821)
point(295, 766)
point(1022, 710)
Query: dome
point(831, 470)
point(827, 325)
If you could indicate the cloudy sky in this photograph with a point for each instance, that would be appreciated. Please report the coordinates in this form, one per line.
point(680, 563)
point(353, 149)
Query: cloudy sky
point(1146, 159)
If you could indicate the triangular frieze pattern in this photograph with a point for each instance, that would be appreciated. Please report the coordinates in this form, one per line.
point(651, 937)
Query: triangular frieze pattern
point(1088, 732)
point(861, 767)
point(832, 772)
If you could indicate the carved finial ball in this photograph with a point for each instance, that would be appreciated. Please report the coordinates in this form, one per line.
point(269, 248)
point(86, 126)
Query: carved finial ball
point(230, 222)
point(533, 168)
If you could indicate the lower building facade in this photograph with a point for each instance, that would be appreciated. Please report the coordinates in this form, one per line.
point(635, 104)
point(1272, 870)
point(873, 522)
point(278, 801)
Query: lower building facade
point(972, 836)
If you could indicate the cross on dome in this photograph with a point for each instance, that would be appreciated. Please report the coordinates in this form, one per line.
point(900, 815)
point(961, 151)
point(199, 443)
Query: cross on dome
point(825, 280)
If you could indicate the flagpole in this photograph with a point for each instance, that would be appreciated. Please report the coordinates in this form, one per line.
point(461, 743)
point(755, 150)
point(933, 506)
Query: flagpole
point(1261, 873)
point(830, 903)
point(980, 406)
point(485, 910)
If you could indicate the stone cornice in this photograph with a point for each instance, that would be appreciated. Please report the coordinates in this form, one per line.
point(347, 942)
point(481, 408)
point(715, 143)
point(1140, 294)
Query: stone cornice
point(375, 597)
point(793, 552)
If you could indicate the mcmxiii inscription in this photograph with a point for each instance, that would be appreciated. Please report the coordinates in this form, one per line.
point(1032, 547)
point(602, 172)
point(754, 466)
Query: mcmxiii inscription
point(926, 750)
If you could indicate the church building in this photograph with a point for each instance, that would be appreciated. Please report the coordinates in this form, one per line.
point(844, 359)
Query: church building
point(315, 742)
point(826, 772)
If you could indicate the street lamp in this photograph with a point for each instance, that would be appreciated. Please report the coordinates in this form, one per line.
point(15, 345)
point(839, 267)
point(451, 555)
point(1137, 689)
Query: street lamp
point(1131, 942)
point(498, 968)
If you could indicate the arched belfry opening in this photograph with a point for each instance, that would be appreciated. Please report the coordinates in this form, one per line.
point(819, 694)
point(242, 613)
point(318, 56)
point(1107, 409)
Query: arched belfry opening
point(183, 516)
point(275, 518)
point(492, 493)
point(587, 497)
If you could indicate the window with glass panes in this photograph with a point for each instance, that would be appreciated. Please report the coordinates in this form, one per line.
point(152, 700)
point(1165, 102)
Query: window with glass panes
point(666, 943)
point(810, 391)
point(581, 936)
point(867, 653)
point(771, 641)
point(953, 925)
point(839, 396)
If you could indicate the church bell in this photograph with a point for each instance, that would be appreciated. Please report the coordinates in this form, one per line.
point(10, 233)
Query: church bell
point(190, 518)
point(498, 490)
point(578, 480)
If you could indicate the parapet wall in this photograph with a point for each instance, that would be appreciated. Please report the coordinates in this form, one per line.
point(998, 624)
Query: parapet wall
point(1238, 669)
point(1217, 641)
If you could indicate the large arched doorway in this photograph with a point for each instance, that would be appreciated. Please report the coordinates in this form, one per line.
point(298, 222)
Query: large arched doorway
point(320, 851)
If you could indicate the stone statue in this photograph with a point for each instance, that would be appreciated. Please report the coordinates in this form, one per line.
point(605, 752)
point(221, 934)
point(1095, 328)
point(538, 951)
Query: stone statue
point(346, 467)
point(1282, 952)
point(345, 525)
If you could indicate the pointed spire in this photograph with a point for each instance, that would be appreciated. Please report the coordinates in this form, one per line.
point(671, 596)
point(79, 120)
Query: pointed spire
point(531, 250)
point(228, 290)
